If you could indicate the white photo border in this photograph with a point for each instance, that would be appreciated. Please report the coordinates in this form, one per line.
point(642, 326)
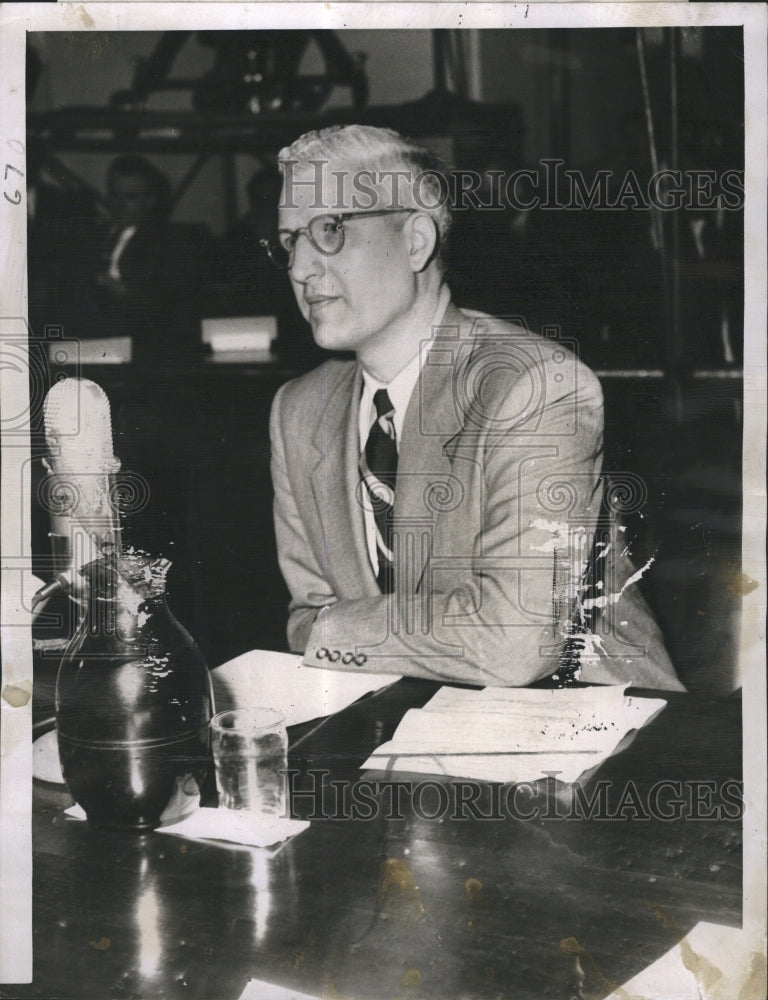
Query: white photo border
point(15, 21)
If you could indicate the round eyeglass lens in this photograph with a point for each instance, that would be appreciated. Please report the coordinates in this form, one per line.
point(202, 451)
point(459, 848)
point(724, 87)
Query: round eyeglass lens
point(327, 233)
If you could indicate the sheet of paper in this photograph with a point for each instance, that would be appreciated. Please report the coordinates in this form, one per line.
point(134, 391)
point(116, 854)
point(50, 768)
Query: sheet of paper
point(278, 680)
point(711, 963)
point(257, 989)
point(514, 734)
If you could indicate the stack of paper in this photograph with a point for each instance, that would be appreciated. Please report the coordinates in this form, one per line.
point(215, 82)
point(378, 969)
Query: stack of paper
point(514, 734)
point(240, 338)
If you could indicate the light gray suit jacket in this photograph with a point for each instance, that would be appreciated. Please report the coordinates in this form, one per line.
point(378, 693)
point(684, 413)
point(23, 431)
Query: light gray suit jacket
point(498, 500)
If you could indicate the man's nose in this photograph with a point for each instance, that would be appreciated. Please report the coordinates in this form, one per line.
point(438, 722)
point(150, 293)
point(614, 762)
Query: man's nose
point(307, 260)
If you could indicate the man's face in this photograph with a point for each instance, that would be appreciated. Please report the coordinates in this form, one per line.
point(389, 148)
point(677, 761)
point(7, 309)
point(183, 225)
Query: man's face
point(357, 296)
point(131, 199)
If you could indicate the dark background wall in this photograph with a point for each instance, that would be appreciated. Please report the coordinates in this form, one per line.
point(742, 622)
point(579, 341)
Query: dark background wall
point(85, 68)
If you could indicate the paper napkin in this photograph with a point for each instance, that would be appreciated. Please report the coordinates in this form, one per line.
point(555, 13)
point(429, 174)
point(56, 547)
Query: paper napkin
point(514, 734)
point(236, 826)
point(232, 825)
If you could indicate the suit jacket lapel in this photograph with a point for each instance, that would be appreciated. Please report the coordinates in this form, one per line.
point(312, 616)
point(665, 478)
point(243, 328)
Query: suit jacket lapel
point(435, 414)
point(335, 482)
point(433, 418)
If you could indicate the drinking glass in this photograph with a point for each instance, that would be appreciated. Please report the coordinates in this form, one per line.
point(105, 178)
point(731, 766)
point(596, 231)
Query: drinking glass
point(250, 752)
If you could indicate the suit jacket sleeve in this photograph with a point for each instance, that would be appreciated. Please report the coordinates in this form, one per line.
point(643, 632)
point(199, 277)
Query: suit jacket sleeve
point(301, 571)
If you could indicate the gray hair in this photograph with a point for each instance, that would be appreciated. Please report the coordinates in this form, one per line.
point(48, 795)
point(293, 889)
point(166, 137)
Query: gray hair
point(381, 151)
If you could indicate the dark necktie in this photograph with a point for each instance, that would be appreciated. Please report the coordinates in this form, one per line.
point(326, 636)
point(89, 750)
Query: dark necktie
point(378, 465)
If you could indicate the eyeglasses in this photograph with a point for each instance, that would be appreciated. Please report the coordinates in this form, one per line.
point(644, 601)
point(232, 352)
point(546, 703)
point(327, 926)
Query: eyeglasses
point(324, 232)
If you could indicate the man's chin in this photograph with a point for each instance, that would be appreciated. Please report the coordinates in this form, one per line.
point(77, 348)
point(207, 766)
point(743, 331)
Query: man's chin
point(327, 337)
point(319, 333)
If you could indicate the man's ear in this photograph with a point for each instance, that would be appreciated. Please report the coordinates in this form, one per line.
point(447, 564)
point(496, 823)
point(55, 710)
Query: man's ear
point(421, 234)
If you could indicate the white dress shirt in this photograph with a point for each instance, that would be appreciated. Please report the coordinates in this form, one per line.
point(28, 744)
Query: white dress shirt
point(114, 261)
point(400, 390)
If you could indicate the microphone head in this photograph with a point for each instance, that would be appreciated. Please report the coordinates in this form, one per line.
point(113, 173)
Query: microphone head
point(78, 427)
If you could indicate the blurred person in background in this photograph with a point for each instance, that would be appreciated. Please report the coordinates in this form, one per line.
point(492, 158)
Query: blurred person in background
point(247, 284)
point(137, 274)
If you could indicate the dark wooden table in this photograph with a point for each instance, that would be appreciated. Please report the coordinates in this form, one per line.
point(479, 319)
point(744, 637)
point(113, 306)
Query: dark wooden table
point(401, 905)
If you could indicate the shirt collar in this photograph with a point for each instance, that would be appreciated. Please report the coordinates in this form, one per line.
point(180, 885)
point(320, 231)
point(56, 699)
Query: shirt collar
point(400, 388)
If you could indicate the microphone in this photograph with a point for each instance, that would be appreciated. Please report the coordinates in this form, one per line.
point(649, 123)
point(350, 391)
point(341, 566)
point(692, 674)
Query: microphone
point(77, 491)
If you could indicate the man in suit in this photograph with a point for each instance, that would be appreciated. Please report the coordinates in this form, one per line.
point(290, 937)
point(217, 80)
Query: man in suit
point(136, 274)
point(437, 497)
